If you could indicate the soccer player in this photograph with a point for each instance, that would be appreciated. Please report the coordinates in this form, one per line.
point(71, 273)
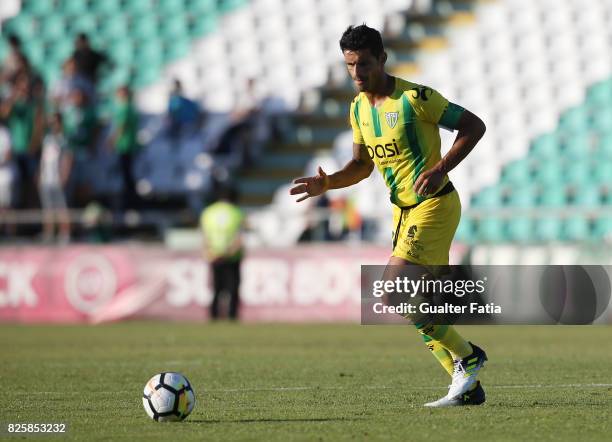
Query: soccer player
point(396, 128)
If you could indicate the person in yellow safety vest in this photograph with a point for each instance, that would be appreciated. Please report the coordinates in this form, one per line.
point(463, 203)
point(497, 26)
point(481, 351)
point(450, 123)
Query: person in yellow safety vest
point(222, 223)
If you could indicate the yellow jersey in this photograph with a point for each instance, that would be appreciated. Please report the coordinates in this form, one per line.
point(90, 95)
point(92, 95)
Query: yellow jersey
point(402, 135)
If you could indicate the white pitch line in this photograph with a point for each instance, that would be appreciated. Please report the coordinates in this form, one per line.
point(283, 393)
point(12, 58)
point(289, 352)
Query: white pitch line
point(368, 387)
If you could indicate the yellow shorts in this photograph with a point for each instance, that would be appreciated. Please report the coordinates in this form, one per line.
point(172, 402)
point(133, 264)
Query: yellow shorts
point(427, 230)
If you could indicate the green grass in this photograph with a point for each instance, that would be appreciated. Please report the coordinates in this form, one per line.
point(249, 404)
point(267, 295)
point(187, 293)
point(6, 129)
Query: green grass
point(305, 382)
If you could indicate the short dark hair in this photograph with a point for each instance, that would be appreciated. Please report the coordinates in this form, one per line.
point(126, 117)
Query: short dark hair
point(14, 40)
point(357, 38)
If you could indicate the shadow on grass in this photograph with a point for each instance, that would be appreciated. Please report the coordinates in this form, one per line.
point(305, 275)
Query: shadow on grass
point(249, 421)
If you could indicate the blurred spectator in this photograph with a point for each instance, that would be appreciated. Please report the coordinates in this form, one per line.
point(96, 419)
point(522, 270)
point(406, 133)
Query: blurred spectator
point(183, 113)
point(222, 223)
point(68, 83)
point(6, 171)
point(23, 70)
point(13, 62)
point(236, 140)
point(254, 122)
point(81, 133)
point(124, 139)
point(55, 167)
point(88, 61)
point(24, 116)
point(80, 123)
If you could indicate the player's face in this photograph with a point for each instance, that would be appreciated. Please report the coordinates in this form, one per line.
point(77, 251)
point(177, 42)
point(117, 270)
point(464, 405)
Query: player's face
point(365, 69)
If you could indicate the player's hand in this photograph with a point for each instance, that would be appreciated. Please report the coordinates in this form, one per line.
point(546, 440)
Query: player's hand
point(428, 182)
point(311, 186)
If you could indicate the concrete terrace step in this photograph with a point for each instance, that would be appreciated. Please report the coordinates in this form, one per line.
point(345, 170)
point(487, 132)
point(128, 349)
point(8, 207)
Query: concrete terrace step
point(283, 160)
point(260, 188)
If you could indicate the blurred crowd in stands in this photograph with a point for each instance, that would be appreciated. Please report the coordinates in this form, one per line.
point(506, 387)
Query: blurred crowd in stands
point(48, 131)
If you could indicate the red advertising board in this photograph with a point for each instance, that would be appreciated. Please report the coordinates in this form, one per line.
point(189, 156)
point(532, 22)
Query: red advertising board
point(109, 283)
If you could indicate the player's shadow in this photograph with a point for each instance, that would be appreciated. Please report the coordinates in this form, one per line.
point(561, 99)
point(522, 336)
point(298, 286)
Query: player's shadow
point(250, 421)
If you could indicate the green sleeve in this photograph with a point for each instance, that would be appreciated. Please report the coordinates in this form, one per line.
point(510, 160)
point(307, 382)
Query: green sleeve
point(451, 115)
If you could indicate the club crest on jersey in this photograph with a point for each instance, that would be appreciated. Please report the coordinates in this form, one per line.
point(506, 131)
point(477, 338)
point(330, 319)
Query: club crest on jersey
point(391, 118)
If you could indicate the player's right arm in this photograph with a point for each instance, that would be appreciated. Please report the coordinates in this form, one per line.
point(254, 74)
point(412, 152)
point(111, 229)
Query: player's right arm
point(357, 169)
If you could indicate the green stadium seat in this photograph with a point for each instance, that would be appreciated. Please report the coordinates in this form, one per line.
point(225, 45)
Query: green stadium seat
point(229, 5)
point(37, 7)
point(602, 171)
point(553, 196)
point(545, 146)
point(170, 7)
point(575, 228)
point(603, 227)
point(111, 8)
point(577, 145)
point(491, 229)
point(51, 72)
point(60, 50)
point(172, 28)
point(35, 51)
point(549, 173)
point(575, 119)
point(22, 25)
point(523, 196)
point(578, 172)
point(176, 49)
point(600, 94)
point(110, 28)
point(516, 172)
point(602, 120)
point(145, 75)
point(121, 51)
point(520, 229)
point(604, 145)
point(72, 7)
point(201, 6)
point(584, 195)
point(547, 229)
point(136, 8)
point(200, 25)
point(144, 28)
point(82, 23)
point(489, 198)
point(149, 53)
point(53, 27)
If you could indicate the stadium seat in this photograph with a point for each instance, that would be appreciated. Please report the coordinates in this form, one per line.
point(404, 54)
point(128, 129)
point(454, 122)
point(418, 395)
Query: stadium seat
point(22, 25)
point(81, 23)
point(52, 27)
point(547, 229)
point(73, 7)
point(545, 146)
point(523, 196)
point(584, 195)
point(109, 8)
point(520, 229)
point(553, 196)
point(38, 8)
point(576, 228)
point(491, 229)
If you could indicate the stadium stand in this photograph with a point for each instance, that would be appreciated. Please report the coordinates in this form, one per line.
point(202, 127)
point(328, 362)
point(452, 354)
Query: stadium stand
point(542, 85)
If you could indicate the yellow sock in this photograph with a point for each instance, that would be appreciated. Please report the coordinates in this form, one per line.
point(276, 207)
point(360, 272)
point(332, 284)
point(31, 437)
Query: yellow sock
point(447, 337)
point(440, 353)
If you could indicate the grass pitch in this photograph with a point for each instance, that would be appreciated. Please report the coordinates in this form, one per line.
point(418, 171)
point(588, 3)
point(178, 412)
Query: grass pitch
point(305, 382)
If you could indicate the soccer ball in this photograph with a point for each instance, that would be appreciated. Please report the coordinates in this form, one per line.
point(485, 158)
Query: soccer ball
point(168, 397)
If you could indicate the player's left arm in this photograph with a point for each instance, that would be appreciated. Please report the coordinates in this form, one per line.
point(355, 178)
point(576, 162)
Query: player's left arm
point(470, 130)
